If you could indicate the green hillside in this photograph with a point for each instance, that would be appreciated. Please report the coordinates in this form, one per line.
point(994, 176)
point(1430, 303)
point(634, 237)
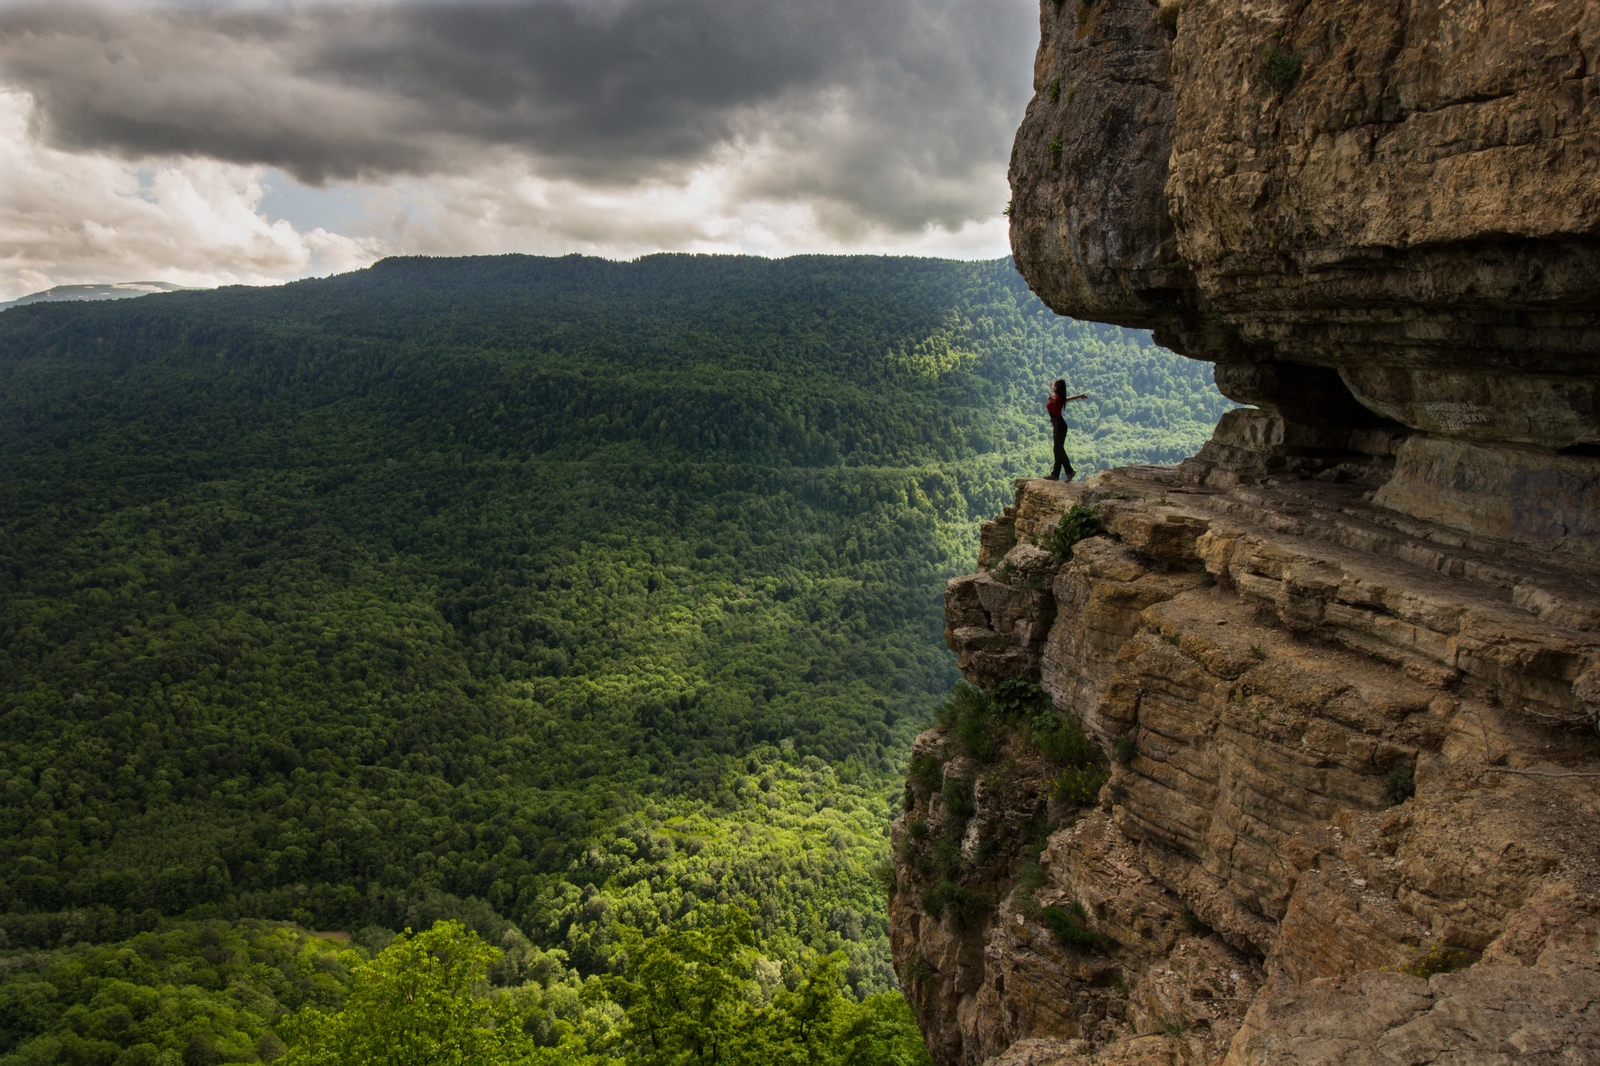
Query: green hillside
point(554, 596)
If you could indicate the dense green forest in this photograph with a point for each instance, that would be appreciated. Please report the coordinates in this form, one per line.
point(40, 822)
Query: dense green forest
point(567, 599)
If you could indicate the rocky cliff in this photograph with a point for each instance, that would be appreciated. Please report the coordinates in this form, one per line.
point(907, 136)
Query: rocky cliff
point(1341, 670)
point(1380, 220)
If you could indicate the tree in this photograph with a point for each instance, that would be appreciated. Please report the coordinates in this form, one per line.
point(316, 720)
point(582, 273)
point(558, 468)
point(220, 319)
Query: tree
point(683, 995)
point(689, 1000)
point(416, 1005)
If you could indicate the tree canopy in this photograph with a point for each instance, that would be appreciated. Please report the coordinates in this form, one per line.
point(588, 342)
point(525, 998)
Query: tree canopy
point(555, 597)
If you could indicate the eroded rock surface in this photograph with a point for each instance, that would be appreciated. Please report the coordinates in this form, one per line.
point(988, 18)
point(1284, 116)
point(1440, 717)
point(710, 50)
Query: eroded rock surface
point(1347, 741)
point(1348, 656)
point(1381, 220)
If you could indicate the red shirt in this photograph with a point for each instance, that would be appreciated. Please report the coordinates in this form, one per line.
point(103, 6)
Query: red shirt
point(1054, 405)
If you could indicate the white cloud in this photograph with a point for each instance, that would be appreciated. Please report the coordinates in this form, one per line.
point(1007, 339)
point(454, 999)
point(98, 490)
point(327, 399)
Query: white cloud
point(161, 140)
point(508, 206)
point(73, 217)
point(83, 216)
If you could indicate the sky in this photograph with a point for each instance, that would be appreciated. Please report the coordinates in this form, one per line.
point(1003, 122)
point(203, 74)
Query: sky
point(207, 142)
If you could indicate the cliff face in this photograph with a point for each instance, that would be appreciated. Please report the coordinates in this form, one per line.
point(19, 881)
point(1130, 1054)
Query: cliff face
point(1348, 744)
point(1372, 216)
point(1344, 665)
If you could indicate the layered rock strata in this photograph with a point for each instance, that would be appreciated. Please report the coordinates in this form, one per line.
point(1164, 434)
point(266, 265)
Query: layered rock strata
point(1354, 747)
point(1348, 656)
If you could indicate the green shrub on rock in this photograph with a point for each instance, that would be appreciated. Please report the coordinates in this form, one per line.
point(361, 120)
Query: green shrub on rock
point(1280, 68)
point(952, 904)
point(1068, 745)
point(927, 771)
point(1077, 524)
point(958, 798)
point(1081, 784)
point(1068, 926)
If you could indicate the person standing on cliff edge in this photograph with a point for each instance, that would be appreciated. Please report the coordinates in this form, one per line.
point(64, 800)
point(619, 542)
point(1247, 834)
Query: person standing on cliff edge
point(1058, 428)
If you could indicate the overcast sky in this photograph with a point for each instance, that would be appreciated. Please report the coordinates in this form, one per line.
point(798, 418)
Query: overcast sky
point(204, 142)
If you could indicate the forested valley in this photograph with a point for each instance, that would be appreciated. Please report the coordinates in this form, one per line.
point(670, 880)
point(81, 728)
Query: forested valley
point(576, 614)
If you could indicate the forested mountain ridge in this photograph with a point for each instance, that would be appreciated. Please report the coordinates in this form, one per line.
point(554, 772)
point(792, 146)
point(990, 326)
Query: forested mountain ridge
point(554, 595)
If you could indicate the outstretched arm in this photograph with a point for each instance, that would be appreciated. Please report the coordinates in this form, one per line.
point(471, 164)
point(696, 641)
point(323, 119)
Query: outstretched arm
point(1080, 396)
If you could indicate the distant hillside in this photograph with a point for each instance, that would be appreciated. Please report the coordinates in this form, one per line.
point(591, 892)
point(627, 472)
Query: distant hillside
point(121, 290)
point(554, 595)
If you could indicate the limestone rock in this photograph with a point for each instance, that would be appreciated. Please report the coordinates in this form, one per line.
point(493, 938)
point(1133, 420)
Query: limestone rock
point(1547, 502)
point(1349, 741)
point(1372, 217)
point(1347, 657)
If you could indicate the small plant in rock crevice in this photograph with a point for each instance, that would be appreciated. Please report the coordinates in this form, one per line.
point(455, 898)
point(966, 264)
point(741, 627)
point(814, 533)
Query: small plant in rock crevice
point(1015, 697)
point(969, 716)
point(927, 771)
point(1069, 925)
point(1438, 959)
point(915, 859)
point(1280, 68)
point(952, 904)
point(1037, 833)
point(1400, 784)
point(958, 798)
point(947, 859)
point(1081, 785)
point(1058, 93)
point(1079, 523)
point(1067, 744)
point(883, 875)
point(1030, 879)
point(1124, 748)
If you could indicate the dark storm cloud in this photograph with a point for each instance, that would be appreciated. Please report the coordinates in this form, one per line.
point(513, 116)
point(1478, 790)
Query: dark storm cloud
point(885, 110)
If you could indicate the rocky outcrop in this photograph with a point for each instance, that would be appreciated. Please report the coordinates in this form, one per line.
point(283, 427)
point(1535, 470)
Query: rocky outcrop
point(1380, 220)
point(1352, 814)
point(1345, 660)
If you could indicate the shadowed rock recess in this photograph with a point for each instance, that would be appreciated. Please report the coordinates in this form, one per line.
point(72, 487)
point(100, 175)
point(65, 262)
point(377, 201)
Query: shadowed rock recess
point(1342, 668)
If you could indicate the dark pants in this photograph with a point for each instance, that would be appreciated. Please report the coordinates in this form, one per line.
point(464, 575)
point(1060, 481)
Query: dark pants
point(1058, 435)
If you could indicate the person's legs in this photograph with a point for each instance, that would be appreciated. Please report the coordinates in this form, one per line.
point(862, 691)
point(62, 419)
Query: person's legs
point(1058, 442)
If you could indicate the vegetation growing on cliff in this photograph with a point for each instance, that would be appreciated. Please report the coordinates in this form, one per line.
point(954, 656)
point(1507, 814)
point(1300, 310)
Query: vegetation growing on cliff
point(1015, 717)
point(551, 596)
point(1079, 522)
point(1070, 926)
